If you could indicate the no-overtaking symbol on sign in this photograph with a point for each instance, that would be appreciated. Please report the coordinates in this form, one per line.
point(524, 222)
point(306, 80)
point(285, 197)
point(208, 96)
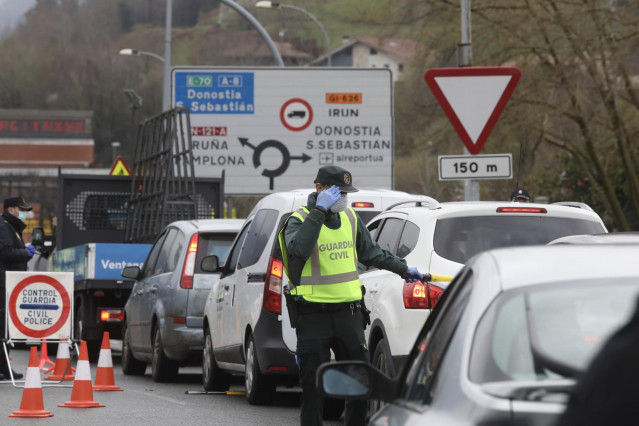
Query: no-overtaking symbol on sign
point(39, 305)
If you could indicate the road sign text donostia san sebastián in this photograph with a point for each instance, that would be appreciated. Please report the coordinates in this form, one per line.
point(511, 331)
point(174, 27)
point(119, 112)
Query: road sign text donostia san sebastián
point(270, 129)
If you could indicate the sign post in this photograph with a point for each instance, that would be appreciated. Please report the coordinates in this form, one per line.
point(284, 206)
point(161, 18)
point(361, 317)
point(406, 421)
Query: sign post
point(270, 129)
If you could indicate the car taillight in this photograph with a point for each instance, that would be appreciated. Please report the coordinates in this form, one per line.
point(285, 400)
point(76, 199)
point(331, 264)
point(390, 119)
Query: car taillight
point(186, 281)
point(521, 210)
point(421, 295)
point(273, 287)
point(362, 204)
point(111, 315)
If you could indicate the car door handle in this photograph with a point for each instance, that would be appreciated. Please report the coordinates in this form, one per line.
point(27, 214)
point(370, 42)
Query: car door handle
point(226, 287)
point(256, 278)
point(139, 292)
point(154, 289)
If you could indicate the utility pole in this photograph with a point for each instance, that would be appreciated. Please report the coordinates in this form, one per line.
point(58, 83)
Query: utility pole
point(465, 59)
point(166, 87)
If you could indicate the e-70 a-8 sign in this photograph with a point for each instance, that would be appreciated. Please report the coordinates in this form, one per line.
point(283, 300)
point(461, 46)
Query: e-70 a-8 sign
point(270, 129)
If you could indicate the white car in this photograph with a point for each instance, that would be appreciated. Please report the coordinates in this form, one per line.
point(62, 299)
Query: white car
point(438, 238)
point(246, 326)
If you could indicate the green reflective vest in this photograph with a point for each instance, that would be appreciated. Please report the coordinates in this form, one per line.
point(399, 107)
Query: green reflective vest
point(330, 273)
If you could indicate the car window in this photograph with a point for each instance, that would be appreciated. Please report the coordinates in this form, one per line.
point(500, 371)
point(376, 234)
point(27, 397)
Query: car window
point(373, 228)
point(231, 263)
point(213, 244)
point(460, 238)
point(388, 237)
point(366, 215)
point(258, 235)
point(408, 240)
point(163, 256)
point(175, 251)
point(149, 264)
point(431, 345)
point(570, 322)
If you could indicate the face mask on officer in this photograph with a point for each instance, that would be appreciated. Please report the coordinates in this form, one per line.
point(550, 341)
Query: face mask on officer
point(340, 204)
point(22, 215)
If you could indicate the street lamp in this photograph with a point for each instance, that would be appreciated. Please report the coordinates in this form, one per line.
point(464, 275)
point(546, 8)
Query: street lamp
point(131, 52)
point(276, 5)
point(165, 86)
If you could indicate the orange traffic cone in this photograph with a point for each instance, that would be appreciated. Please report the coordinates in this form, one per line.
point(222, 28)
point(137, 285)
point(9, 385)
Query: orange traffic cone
point(82, 394)
point(44, 356)
point(32, 404)
point(104, 380)
point(62, 364)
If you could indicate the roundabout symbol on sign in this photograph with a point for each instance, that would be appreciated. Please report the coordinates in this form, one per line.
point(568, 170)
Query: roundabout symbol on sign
point(286, 157)
point(296, 114)
point(39, 307)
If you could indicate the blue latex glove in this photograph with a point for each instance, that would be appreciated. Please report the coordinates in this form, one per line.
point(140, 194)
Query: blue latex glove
point(328, 197)
point(412, 275)
point(30, 250)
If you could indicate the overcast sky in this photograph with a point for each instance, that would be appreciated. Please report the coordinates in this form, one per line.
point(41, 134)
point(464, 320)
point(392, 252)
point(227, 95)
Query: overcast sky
point(11, 11)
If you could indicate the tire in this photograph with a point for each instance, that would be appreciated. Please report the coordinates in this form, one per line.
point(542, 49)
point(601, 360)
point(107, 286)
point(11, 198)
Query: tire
point(381, 360)
point(163, 369)
point(213, 378)
point(333, 409)
point(260, 389)
point(130, 365)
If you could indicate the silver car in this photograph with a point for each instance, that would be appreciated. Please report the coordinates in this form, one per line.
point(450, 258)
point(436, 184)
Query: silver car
point(505, 342)
point(164, 313)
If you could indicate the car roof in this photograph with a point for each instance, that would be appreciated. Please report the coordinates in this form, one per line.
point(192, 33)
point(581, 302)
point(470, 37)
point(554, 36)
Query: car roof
point(290, 200)
point(535, 265)
point(462, 208)
point(230, 225)
point(609, 238)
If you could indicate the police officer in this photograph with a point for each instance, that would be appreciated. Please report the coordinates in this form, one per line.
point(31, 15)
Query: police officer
point(14, 256)
point(321, 246)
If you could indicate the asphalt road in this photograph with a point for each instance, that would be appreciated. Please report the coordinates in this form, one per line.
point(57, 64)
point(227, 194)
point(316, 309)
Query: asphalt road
point(143, 401)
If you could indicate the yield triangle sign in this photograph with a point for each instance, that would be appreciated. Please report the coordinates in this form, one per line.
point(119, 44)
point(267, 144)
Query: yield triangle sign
point(473, 98)
point(120, 168)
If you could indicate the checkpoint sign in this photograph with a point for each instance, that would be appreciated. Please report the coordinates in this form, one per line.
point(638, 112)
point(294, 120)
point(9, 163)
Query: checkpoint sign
point(269, 129)
point(473, 99)
point(39, 304)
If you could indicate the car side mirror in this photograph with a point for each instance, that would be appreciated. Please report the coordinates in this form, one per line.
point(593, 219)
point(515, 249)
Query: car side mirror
point(131, 272)
point(37, 237)
point(356, 380)
point(210, 264)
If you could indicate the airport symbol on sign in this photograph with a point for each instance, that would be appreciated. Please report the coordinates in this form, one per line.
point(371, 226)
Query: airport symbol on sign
point(473, 99)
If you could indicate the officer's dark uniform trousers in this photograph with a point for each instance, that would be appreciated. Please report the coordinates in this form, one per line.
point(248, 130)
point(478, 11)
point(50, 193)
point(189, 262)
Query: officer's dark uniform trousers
point(317, 333)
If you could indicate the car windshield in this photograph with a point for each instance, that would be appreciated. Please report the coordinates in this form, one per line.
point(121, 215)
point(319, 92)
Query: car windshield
point(460, 238)
point(568, 323)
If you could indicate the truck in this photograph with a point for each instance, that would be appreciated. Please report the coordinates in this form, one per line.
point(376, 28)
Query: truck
point(105, 222)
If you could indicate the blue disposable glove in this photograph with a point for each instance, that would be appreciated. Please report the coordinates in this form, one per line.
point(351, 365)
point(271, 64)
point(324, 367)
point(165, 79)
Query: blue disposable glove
point(328, 197)
point(30, 250)
point(413, 275)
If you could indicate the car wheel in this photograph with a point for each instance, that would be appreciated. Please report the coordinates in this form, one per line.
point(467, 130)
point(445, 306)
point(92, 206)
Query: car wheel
point(381, 360)
point(213, 378)
point(163, 369)
point(130, 365)
point(259, 388)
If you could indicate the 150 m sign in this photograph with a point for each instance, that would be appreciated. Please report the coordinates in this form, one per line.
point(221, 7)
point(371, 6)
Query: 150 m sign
point(476, 167)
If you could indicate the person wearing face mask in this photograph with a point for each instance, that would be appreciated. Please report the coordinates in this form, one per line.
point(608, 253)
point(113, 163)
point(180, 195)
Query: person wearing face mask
point(321, 245)
point(14, 256)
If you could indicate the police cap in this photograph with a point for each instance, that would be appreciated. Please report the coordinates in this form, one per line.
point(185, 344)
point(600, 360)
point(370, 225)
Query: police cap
point(520, 193)
point(334, 175)
point(17, 202)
